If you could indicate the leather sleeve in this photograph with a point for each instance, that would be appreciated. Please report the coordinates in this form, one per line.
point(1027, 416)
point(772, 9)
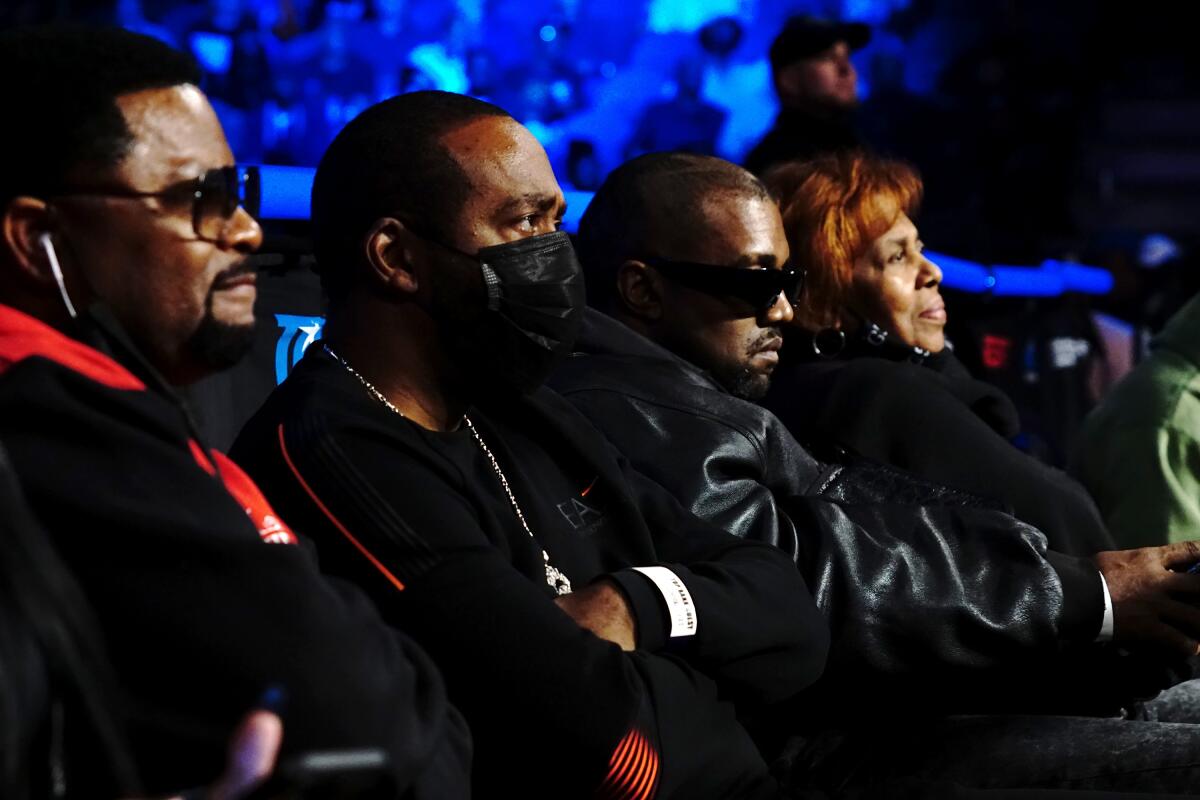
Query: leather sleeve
point(912, 589)
point(905, 588)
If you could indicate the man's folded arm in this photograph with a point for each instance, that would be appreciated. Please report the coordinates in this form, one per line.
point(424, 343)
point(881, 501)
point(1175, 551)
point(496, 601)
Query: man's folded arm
point(909, 589)
point(756, 625)
point(508, 652)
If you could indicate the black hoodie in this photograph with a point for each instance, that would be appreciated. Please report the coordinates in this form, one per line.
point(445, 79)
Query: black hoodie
point(203, 596)
point(420, 520)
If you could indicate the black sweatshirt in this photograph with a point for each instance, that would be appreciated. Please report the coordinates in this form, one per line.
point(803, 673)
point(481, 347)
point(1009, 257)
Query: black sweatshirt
point(936, 421)
point(203, 597)
point(419, 518)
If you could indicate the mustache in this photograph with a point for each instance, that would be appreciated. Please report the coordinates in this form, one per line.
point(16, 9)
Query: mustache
point(243, 267)
point(768, 337)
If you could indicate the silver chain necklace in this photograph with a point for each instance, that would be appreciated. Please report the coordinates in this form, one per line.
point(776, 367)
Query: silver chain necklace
point(554, 577)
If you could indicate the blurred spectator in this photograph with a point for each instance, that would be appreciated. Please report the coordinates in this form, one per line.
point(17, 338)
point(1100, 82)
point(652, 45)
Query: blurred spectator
point(686, 122)
point(818, 89)
point(232, 49)
point(1139, 453)
point(384, 40)
point(583, 170)
point(324, 83)
point(737, 79)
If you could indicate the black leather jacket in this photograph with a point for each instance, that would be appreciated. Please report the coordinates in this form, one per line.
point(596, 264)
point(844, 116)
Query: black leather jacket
point(919, 583)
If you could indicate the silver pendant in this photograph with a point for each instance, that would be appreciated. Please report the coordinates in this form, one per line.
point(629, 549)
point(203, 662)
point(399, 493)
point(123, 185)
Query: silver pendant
point(558, 581)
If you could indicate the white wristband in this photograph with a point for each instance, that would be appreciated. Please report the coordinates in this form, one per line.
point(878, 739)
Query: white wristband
point(1106, 627)
point(679, 600)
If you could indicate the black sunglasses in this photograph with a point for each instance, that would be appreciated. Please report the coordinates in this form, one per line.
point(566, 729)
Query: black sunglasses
point(214, 197)
point(759, 287)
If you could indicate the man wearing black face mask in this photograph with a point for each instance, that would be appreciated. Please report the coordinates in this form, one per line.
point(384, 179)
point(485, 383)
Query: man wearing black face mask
point(584, 621)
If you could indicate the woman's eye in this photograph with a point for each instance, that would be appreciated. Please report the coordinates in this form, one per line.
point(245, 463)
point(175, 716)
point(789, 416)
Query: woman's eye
point(897, 258)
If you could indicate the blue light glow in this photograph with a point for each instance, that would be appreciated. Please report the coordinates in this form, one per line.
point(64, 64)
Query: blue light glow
point(1051, 279)
point(1080, 278)
point(1026, 282)
point(957, 273)
point(548, 33)
point(286, 192)
point(577, 203)
point(214, 51)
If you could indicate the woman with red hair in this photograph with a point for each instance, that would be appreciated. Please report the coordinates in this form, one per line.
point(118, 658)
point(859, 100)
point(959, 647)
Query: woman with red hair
point(868, 368)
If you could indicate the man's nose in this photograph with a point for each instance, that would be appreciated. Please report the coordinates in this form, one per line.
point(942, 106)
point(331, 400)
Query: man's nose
point(243, 233)
point(779, 311)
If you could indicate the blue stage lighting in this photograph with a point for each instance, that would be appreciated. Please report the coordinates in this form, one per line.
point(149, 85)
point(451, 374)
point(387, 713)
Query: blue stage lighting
point(1026, 282)
point(1080, 278)
point(960, 274)
point(214, 51)
point(285, 192)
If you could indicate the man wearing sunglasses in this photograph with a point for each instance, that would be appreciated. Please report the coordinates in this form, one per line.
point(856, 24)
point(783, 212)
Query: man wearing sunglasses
point(936, 603)
point(715, 287)
point(762, 289)
point(124, 274)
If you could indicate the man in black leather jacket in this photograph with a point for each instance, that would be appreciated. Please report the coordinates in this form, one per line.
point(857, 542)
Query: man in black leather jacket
point(937, 600)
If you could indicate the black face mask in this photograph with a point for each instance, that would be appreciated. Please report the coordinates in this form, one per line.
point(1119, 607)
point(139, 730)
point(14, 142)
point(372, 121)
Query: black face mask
point(533, 311)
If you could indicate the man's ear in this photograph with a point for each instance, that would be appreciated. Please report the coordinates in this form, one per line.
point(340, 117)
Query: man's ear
point(389, 255)
point(23, 223)
point(640, 291)
point(789, 83)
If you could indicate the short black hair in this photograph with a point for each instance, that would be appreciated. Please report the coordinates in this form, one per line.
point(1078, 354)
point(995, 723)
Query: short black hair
point(59, 92)
point(668, 188)
point(389, 161)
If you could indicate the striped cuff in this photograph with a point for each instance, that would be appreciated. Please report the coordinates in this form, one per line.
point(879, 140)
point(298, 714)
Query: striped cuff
point(632, 770)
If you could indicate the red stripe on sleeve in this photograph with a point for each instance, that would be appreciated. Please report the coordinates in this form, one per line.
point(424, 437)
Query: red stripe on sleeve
point(336, 522)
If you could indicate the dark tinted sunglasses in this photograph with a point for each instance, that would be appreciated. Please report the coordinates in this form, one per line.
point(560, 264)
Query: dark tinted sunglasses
point(213, 197)
point(758, 287)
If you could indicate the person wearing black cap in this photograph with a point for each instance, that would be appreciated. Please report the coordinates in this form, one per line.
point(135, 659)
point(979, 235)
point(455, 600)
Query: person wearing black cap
point(817, 87)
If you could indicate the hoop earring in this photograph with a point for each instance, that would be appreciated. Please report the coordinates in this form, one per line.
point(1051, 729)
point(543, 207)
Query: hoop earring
point(828, 342)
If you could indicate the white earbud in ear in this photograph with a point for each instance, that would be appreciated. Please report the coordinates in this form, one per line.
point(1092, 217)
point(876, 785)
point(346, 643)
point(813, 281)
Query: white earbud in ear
point(56, 269)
